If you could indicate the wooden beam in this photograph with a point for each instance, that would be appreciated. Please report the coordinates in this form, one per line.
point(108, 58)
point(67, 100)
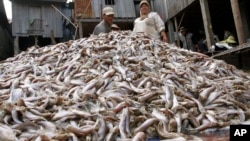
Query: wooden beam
point(16, 46)
point(207, 23)
point(80, 29)
point(63, 15)
point(241, 48)
point(171, 31)
point(52, 37)
point(238, 21)
point(177, 31)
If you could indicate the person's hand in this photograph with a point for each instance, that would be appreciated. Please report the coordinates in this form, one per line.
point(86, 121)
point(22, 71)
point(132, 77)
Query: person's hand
point(165, 39)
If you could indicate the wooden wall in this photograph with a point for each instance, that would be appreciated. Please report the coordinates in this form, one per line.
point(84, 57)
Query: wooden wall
point(83, 8)
point(239, 60)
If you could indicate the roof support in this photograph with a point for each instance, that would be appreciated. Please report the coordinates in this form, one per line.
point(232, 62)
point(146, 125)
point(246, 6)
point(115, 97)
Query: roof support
point(177, 31)
point(238, 21)
point(207, 23)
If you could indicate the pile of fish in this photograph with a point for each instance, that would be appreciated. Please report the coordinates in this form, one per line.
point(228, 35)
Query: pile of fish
point(118, 86)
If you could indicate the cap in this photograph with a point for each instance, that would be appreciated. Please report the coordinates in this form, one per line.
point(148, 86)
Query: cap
point(108, 11)
point(115, 26)
point(183, 29)
point(144, 2)
point(230, 40)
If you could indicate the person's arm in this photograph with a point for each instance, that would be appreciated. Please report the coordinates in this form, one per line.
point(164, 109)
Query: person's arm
point(134, 24)
point(164, 36)
point(160, 26)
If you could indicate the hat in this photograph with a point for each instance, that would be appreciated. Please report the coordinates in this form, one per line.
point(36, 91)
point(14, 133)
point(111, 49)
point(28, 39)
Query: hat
point(144, 2)
point(183, 29)
point(108, 11)
point(230, 40)
point(115, 26)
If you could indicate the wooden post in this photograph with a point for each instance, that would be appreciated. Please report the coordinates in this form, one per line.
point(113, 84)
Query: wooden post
point(36, 40)
point(16, 45)
point(76, 32)
point(80, 28)
point(52, 37)
point(238, 21)
point(177, 31)
point(207, 23)
point(170, 33)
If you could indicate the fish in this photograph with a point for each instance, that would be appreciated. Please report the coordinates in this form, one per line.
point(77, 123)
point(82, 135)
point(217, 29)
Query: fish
point(206, 92)
point(112, 132)
point(118, 86)
point(145, 125)
point(7, 134)
point(160, 116)
point(80, 131)
point(139, 136)
point(103, 129)
point(162, 131)
point(124, 124)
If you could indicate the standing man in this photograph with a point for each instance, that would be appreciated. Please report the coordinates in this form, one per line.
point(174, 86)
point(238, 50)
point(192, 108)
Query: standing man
point(189, 41)
point(105, 25)
point(150, 23)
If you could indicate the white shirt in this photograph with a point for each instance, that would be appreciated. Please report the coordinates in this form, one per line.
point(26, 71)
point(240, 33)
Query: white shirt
point(151, 26)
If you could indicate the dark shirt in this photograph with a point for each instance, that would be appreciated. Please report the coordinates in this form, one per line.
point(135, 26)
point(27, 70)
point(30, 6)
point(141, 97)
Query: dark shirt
point(102, 27)
point(189, 41)
point(203, 47)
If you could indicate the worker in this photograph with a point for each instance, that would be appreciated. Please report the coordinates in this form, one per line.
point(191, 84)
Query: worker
point(188, 39)
point(150, 23)
point(105, 25)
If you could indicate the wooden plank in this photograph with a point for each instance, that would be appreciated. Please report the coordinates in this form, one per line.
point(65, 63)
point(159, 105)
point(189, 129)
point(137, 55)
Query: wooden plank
point(16, 45)
point(238, 21)
point(207, 22)
point(177, 31)
point(241, 48)
point(80, 30)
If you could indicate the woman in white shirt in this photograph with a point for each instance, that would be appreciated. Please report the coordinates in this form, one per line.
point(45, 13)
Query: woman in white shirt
point(150, 23)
